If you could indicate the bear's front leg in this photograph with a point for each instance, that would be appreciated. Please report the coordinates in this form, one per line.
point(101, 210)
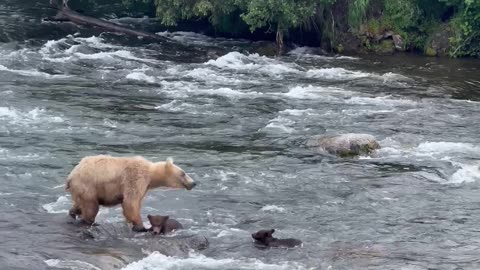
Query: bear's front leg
point(131, 211)
point(74, 212)
point(89, 211)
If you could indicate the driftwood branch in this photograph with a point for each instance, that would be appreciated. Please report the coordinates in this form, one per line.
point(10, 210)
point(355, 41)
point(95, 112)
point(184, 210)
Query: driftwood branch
point(64, 13)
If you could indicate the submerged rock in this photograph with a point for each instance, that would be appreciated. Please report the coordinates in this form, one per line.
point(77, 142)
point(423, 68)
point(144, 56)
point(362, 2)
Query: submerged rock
point(344, 145)
point(121, 235)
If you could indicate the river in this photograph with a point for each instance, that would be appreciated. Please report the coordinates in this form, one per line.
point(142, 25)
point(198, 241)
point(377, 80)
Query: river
point(236, 122)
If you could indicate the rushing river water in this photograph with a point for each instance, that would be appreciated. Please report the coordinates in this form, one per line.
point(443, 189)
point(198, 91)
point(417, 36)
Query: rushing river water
point(236, 121)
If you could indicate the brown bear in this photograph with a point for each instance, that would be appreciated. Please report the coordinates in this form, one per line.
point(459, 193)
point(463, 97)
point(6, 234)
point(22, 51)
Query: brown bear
point(109, 181)
point(266, 239)
point(163, 224)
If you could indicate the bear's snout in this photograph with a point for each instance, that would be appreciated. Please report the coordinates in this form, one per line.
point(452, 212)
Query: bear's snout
point(189, 183)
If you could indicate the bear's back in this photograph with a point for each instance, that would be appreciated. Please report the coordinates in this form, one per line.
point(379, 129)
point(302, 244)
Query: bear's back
point(104, 169)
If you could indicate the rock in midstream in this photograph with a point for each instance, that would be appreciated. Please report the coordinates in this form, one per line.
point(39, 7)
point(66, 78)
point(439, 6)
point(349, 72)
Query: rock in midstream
point(344, 145)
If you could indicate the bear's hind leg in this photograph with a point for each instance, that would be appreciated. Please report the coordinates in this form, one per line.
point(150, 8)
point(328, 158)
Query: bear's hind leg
point(89, 211)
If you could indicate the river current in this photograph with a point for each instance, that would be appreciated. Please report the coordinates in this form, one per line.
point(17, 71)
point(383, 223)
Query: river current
point(236, 121)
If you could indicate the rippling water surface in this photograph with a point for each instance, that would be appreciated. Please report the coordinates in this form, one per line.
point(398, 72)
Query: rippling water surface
point(236, 121)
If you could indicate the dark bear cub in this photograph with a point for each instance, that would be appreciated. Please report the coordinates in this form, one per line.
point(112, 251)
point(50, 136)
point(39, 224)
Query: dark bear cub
point(264, 237)
point(163, 224)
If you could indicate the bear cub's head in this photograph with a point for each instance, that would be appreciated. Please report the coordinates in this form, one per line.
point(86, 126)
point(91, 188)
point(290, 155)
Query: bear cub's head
point(157, 222)
point(167, 174)
point(263, 236)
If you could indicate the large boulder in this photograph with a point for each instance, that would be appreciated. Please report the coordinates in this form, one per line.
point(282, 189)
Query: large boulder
point(344, 145)
point(438, 42)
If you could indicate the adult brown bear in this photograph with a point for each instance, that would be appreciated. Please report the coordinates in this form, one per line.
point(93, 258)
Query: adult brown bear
point(109, 181)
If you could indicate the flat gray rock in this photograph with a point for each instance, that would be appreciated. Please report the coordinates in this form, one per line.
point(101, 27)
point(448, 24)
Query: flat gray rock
point(169, 245)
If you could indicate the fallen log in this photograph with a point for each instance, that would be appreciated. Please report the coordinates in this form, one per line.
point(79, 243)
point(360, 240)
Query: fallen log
point(64, 13)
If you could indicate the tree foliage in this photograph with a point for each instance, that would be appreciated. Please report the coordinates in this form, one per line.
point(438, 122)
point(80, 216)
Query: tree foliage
point(467, 23)
point(414, 20)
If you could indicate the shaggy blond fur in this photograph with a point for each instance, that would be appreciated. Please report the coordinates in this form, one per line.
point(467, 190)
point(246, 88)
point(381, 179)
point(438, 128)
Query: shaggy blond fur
point(108, 181)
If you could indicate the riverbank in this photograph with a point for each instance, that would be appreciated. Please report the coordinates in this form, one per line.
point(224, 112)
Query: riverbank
point(433, 28)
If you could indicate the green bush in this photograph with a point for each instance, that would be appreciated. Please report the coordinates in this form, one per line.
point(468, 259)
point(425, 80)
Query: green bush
point(466, 24)
point(414, 20)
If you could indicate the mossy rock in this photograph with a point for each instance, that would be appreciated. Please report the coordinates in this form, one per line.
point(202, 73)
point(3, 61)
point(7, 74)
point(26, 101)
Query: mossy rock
point(438, 42)
point(430, 52)
point(265, 48)
point(339, 48)
point(384, 47)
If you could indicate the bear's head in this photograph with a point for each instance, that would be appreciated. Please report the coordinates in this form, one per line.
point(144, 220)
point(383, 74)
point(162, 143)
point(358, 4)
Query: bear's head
point(157, 222)
point(167, 174)
point(263, 236)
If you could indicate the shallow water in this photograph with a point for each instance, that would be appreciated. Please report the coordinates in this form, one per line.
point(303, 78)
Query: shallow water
point(237, 122)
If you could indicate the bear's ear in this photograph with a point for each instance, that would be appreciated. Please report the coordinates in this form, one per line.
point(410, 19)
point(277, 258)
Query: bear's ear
point(169, 162)
point(149, 216)
point(272, 231)
point(166, 218)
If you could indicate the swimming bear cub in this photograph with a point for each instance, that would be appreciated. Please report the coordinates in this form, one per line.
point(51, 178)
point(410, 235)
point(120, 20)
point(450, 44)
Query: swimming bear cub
point(163, 224)
point(264, 237)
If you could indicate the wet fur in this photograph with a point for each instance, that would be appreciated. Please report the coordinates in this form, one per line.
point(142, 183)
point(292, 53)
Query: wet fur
point(265, 238)
point(108, 181)
point(163, 224)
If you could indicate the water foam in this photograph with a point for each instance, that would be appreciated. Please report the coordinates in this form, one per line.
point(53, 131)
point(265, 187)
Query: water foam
point(177, 89)
point(208, 75)
point(442, 150)
point(239, 61)
point(279, 126)
point(228, 92)
point(61, 205)
point(386, 100)
point(140, 76)
point(273, 208)
point(35, 115)
point(313, 92)
point(32, 72)
point(341, 74)
point(448, 147)
point(466, 174)
point(96, 42)
point(456, 154)
point(108, 55)
point(393, 77)
point(71, 264)
point(281, 123)
point(335, 74)
point(296, 112)
point(181, 106)
point(51, 46)
point(199, 261)
point(52, 51)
